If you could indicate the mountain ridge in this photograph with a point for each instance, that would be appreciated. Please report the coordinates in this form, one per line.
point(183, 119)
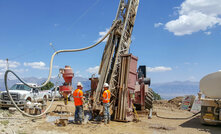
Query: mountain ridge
point(166, 90)
point(176, 88)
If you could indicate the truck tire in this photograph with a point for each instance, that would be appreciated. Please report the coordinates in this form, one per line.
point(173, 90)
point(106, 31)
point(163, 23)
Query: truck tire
point(203, 112)
point(202, 121)
point(149, 99)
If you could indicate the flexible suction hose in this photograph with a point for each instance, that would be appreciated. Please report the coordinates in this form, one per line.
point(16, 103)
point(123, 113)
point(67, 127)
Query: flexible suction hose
point(50, 71)
point(178, 118)
point(33, 116)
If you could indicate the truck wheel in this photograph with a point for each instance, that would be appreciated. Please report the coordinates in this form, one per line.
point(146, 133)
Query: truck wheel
point(203, 112)
point(149, 99)
point(203, 122)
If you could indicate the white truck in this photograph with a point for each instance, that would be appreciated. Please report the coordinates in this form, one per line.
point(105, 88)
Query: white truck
point(21, 94)
point(51, 93)
point(58, 95)
point(210, 87)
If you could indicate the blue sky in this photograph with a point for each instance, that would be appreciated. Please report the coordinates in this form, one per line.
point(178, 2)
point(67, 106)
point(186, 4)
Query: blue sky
point(176, 39)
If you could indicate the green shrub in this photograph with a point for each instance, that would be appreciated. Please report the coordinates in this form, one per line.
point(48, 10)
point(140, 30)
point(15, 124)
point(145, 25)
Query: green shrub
point(156, 96)
point(48, 86)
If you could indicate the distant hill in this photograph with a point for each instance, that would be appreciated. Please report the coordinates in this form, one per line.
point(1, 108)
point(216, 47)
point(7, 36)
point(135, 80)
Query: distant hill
point(165, 90)
point(176, 88)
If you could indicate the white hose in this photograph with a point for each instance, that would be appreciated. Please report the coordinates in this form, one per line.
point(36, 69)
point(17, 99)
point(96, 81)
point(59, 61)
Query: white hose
point(70, 50)
point(50, 71)
point(33, 116)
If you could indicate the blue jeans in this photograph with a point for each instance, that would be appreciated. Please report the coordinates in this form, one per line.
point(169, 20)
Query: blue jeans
point(106, 112)
point(78, 113)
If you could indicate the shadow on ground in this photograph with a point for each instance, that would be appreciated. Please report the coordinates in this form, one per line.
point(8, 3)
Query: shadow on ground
point(195, 123)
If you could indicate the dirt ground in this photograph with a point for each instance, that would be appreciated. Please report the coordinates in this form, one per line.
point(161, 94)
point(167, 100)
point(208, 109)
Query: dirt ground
point(17, 124)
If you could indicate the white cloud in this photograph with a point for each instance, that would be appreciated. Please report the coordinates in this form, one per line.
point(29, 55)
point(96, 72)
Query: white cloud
point(207, 33)
point(93, 70)
point(11, 76)
point(36, 65)
point(77, 74)
point(12, 64)
point(158, 24)
point(56, 67)
point(158, 69)
point(102, 34)
point(194, 16)
point(20, 70)
point(192, 78)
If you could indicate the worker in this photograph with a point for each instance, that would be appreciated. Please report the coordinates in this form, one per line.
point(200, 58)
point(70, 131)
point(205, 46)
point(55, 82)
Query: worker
point(106, 103)
point(78, 101)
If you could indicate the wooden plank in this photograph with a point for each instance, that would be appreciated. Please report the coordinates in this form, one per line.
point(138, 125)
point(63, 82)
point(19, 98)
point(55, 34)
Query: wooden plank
point(120, 92)
point(122, 89)
point(126, 88)
point(124, 77)
point(123, 81)
point(122, 104)
point(121, 101)
point(118, 106)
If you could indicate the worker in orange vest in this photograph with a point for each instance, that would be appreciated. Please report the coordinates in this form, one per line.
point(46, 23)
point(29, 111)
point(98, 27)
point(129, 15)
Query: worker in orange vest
point(106, 103)
point(78, 101)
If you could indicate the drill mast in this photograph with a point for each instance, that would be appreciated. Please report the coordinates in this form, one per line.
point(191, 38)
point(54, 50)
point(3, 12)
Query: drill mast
point(118, 44)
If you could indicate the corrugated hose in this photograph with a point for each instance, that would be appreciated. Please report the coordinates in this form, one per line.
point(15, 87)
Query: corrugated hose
point(178, 118)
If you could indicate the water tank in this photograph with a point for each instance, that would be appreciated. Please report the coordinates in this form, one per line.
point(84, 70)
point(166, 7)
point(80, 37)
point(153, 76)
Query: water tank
point(210, 85)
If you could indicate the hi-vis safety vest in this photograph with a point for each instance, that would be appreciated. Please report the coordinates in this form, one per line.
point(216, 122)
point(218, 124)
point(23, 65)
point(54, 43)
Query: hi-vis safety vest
point(78, 95)
point(106, 96)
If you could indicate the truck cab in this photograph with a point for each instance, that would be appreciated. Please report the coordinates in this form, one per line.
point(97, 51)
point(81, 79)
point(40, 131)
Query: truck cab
point(21, 94)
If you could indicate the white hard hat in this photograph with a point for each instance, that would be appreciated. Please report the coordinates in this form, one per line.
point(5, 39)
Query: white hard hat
point(106, 85)
point(79, 84)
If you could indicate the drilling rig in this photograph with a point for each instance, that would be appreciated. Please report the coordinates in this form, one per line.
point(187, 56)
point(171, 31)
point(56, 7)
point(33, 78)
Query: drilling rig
point(118, 67)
